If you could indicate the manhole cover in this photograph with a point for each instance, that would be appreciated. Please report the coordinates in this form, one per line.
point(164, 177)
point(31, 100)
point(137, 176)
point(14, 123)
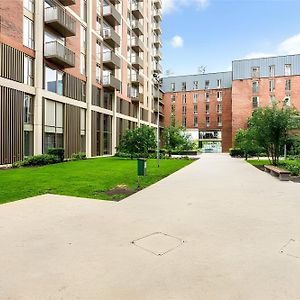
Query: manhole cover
point(158, 243)
point(291, 248)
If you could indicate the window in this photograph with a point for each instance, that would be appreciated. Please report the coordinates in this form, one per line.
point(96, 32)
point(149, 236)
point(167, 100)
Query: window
point(28, 125)
point(28, 70)
point(207, 97)
point(288, 85)
point(255, 102)
point(195, 98)
point(28, 36)
point(82, 64)
point(272, 71)
point(255, 72)
point(173, 87)
point(184, 121)
point(207, 108)
point(82, 50)
point(287, 70)
point(195, 108)
point(272, 100)
point(255, 87)
point(219, 96)
point(219, 82)
point(183, 86)
point(287, 101)
point(53, 81)
point(207, 121)
point(173, 97)
point(83, 10)
point(184, 110)
point(219, 108)
point(29, 5)
point(54, 128)
point(98, 73)
point(184, 99)
point(206, 84)
point(195, 85)
point(219, 120)
point(82, 130)
point(272, 85)
point(195, 121)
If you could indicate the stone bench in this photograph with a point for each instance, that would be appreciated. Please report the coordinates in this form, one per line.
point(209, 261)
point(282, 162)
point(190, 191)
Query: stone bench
point(283, 175)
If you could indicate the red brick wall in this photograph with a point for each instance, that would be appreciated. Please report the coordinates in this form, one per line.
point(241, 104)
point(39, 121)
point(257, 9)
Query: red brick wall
point(226, 112)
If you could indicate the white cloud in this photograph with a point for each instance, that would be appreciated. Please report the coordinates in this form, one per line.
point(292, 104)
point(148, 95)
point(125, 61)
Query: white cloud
point(169, 6)
point(177, 41)
point(290, 45)
point(287, 47)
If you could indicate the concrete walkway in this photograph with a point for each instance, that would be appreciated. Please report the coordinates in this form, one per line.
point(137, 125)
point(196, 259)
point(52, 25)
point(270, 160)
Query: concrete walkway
point(217, 229)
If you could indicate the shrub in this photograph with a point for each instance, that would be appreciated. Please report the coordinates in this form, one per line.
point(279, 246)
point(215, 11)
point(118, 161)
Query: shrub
point(59, 152)
point(78, 156)
point(38, 160)
point(292, 166)
point(236, 152)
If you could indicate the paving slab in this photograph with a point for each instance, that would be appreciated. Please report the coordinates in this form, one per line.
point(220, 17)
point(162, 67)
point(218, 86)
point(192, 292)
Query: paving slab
point(217, 229)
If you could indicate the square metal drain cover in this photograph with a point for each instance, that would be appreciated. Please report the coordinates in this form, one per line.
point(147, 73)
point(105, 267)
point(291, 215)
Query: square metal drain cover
point(291, 248)
point(158, 243)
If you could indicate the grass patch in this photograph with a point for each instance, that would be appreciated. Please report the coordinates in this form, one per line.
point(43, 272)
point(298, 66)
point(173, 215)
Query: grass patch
point(87, 178)
point(255, 162)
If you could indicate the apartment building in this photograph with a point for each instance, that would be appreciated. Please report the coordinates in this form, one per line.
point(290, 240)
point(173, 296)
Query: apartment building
point(76, 74)
point(214, 106)
point(202, 104)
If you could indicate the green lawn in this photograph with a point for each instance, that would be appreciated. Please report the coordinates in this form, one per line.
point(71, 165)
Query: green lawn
point(86, 178)
point(255, 162)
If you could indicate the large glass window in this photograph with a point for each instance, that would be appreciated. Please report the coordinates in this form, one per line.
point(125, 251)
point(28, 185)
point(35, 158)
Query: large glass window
point(82, 130)
point(28, 125)
point(54, 80)
point(28, 70)
point(28, 35)
point(54, 124)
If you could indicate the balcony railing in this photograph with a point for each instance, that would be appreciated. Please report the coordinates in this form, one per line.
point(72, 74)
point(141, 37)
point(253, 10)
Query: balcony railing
point(137, 61)
point(60, 20)
point(157, 3)
point(111, 82)
point(137, 9)
point(111, 15)
point(137, 44)
point(137, 27)
point(137, 79)
point(111, 37)
point(111, 60)
point(59, 54)
point(157, 15)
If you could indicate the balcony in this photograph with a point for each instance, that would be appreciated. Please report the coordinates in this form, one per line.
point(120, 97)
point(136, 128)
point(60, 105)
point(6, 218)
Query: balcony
point(137, 79)
point(157, 41)
point(137, 10)
point(137, 62)
point(157, 28)
point(111, 15)
point(67, 2)
point(157, 54)
point(60, 20)
point(137, 27)
point(111, 60)
point(157, 3)
point(111, 83)
point(111, 37)
point(157, 15)
point(157, 68)
point(137, 44)
point(137, 98)
point(59, 54)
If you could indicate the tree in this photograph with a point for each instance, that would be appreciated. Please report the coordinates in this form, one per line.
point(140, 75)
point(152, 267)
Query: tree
point(245, 140)
point(138, 142)
point(176, 139)
point(270, 126)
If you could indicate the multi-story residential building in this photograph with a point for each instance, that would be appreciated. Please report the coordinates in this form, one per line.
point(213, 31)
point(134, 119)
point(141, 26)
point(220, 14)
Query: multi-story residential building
point(214, 106)
point(202, 104)
point(76, 74)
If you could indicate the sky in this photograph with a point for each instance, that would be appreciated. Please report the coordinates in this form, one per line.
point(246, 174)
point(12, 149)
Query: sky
point(212, 33)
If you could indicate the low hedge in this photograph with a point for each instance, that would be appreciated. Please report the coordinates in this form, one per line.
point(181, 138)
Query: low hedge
point(236, 152)
point(291, 165)
point(59, 152)
point(37, 160)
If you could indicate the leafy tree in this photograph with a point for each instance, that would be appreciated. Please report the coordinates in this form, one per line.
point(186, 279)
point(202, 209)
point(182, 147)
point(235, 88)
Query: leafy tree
point(245, 140)
point(270, 126)
point(176, 139)
point(138, 142)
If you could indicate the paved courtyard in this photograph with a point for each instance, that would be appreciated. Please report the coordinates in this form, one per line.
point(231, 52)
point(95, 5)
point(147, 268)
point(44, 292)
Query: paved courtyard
point(217, 229)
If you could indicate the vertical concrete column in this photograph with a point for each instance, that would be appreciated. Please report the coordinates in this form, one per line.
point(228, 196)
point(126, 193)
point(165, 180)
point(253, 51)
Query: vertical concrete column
point(114, 124)
point(38, 76)
point(89, 53)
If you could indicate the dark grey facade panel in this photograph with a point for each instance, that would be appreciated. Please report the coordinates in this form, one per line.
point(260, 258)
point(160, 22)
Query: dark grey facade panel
point(225, 77)
point(242, 69)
